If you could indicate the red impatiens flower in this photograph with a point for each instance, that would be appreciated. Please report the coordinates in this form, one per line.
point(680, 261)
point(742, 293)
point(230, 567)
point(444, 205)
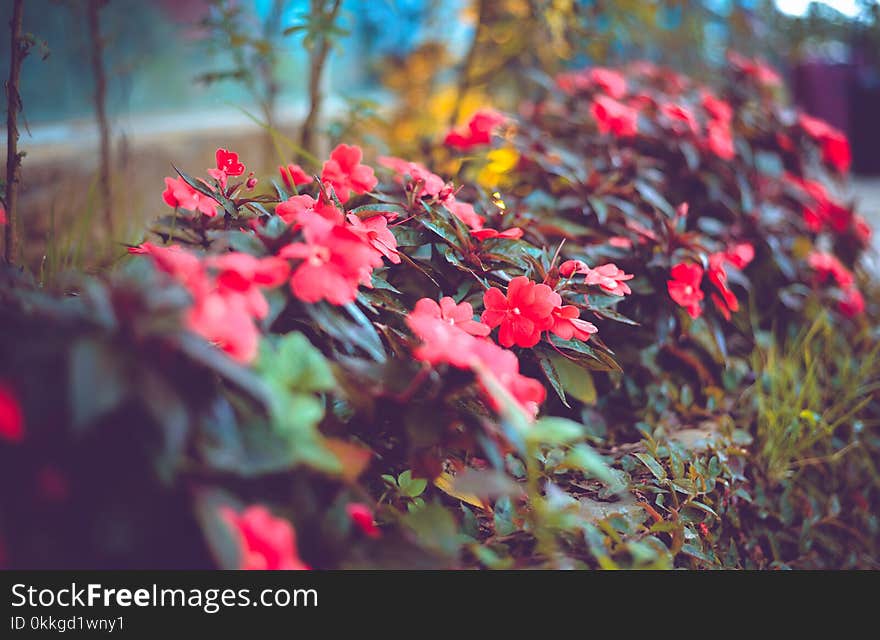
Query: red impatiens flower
point(442, 342)
point(826, 264)
point(610, 81)
point(179, 194)
point(681, 118)
point(719, 139)
point(431, 184)
point(757, 69)
point(294, 176)
point(477, 132)
point(684, 287)
point(862, 229)
point(265, 542)
point(362, 517)
point(2, 215)
point(11, 415)
point(375, 232)
point(835, 146)
point(852, 303)
point(567, 324)
point(719, 110)
point(610, 278)
point(291, 209)
point(226, 321)
point(227, 162)
point(459, 315)
point(725, 300)
point(614, 117)
point(740, 254)
point(345, 173)
point(335, 260)
point(244, 274)
point(503, 366)
point(513, 233)
point(466, 213)
point(525, 313)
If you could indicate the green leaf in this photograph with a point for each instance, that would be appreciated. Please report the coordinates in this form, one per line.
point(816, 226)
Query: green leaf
point(582, 456)
point(654, 467)
point(576, 380)
point(552, 431)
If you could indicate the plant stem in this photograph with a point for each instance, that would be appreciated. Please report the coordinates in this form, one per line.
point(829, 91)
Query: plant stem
point(100, 77)
point(318, 59)
point(18, 51)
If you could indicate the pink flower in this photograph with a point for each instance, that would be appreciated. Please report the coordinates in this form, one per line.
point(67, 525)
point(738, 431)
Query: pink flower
point(466, 213)
point(294, 176)
point(719, 140)
point(442, 342)
point(266, 542)
point(681, 117)
point(345, 173)
point(179, 194)
point(719, 110)
point(614, 117)
point(503, 366)
point(294, 207)
point(523, 314)
point(852, 304)
point(684, 287)
point(610, 278)
point(835, 146)
point(375, 232)
point(567, 324)
point(485, 234)
point(762, 73)
point(362, 517)
point(228, 163)
point(11, 415)
point(740, 255)
point(431, 183)
point(477, 132)
point(826, 264)
point(611, 82)
point(244, 274)
point(335, 260)
point(459, 315)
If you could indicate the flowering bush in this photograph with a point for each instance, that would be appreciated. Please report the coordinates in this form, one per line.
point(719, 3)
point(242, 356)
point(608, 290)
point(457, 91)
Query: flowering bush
point(378, 366)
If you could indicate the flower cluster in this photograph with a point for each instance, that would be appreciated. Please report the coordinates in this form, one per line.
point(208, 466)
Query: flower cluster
point(476, 132)
point(828, 267)
point(686, 278)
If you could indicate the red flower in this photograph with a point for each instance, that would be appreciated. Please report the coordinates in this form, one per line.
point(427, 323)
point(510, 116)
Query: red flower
point(681, 117)
point(375, 232)
point(485, 234)
point(826, 264)
point(266, 542)
point(503, 366)
point(719, 139)
point(226, 321)
point(567, 324)
point(362, 517)
point(346, 174)
point(228, 163)
point(740, 255)
point(291, 209)
point(182, 265)
point(835, 146)
point(179, 194)
point(459, 315)
point(684, 287)
point(611, 82)
point(11, 415)
point(523, 314)
point(294, 176)
point(335, 260)
point(466, 213)
point(477, 131)
point(725, 300)
point(610, 278)
point(852, 304)
point(244, 274)
point(432, 184)
point(719, 110)
point(614, 117)
point(442, 342)
point(760, 71)
point(862, 229)
point(2, 215)
point(620, 242)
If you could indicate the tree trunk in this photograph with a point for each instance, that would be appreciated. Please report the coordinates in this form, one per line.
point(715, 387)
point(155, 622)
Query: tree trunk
point(101, 108)
point(13, 160)
point(316, 71)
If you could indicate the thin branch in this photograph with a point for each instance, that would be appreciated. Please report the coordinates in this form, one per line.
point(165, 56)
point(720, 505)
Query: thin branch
point(100, 77)
point(320, 52)
point(18, 51)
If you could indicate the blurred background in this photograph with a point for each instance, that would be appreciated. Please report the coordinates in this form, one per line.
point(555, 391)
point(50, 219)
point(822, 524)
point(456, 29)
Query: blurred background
point(171, 80)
